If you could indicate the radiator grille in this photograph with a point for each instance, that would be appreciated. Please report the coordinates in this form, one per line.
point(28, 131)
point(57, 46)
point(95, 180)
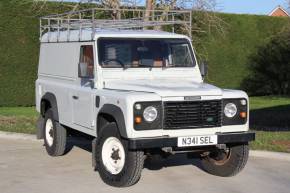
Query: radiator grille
point(192, 114)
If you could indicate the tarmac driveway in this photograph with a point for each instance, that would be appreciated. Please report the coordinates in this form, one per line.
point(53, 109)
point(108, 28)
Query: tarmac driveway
point(25, 167)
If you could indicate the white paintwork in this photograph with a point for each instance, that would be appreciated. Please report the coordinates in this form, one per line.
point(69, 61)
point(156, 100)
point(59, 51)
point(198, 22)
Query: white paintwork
point(58, 74)
point(48, 130)
point(86, 35)
point(56, 60)
point(166, 87)
point(114, 166)
point(83, 108)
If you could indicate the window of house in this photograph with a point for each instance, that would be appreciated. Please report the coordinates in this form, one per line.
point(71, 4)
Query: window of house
point(86, 64)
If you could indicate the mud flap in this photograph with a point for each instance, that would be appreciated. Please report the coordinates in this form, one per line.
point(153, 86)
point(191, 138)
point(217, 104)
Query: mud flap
point(94, 161)
point(39, 127)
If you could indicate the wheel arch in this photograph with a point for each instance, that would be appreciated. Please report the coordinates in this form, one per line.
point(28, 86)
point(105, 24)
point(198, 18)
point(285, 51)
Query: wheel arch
point(49, 101)
point(111, 113)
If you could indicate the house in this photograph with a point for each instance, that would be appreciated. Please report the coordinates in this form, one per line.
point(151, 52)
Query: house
point(279, 12)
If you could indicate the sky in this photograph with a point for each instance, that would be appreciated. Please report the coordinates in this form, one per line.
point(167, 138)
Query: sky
point(260, 7)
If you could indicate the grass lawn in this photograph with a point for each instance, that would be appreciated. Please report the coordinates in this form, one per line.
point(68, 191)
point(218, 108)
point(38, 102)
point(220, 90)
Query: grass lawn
point(268, 102)
point(270, 113)
point(272, 141)
point(18, 119)
point(270, 118)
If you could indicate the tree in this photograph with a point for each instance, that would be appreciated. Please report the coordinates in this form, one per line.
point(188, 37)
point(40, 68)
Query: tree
point(149, 6)
point(270, 68)
point(204, 17)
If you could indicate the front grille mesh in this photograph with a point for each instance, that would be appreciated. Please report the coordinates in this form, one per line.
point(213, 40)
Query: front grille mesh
point(192, 114)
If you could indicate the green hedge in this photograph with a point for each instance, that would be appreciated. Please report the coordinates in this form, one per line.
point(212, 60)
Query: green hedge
point(229, 54)
point(18, 55)
point(19, 49)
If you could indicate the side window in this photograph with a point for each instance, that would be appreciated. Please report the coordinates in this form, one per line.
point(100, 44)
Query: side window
point(86, 64)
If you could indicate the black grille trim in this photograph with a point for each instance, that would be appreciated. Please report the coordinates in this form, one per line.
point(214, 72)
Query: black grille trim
point(192, 114)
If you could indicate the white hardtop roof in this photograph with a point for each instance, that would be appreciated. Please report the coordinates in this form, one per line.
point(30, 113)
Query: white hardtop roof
point(86, 35)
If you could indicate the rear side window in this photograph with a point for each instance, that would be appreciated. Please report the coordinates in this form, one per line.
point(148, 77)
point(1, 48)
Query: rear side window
point(86, 64)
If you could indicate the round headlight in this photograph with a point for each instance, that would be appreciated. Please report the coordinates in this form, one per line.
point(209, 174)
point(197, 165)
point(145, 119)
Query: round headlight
point(150, 114)
point(230, 110)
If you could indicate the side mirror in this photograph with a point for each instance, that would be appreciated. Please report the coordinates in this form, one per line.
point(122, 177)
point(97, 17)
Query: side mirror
point(83, 69)
point(203, 69)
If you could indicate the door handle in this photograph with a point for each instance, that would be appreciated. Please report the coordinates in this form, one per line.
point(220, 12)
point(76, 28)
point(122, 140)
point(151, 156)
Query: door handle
point(75, 97)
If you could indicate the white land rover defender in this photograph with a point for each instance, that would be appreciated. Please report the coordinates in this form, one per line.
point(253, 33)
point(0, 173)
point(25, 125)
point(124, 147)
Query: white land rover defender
point(138, 92)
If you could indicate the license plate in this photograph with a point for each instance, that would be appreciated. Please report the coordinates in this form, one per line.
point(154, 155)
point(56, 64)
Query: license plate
point(197, 141)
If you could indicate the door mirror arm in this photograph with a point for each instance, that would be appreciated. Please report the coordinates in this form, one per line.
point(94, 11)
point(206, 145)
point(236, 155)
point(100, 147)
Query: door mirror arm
point(203, 69)
point(92, 83)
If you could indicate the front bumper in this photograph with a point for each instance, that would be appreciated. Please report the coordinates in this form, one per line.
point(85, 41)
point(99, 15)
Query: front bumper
point(223, 138)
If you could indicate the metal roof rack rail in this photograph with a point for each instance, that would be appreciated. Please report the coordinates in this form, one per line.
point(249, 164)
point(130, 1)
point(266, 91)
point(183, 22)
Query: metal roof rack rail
point(127, 19)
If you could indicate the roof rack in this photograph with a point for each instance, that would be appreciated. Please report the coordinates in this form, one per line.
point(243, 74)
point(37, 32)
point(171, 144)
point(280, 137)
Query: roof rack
point(126, 19)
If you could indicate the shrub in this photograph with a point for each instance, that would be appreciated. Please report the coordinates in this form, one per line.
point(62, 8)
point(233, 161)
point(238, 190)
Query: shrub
point(270, 67)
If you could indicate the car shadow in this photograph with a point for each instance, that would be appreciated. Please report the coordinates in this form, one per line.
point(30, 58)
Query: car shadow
point(157, 163)
point(80, 142)
point(172, 161)
point(271, 119)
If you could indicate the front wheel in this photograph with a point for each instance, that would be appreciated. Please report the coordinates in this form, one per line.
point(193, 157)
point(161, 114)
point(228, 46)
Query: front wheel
point(117, 165)
point(227, 162)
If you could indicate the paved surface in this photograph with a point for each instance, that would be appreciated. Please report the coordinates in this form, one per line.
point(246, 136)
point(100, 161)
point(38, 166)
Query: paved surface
point(25, 167)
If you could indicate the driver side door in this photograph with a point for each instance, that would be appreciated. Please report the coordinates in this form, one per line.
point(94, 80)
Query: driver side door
point(83, 95)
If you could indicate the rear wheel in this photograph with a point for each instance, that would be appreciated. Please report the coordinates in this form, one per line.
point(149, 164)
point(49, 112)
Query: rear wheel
point(228, 162)
point(54, 135)
point(117, 165)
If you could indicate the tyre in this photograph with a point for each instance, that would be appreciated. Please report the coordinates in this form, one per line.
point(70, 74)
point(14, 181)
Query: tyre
point(154, 162)
point(117, 165)
point(54, 135)
point(226, 163)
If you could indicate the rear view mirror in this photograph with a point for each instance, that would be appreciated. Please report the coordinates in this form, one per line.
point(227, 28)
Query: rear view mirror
point(142, 49)
point(203, 69)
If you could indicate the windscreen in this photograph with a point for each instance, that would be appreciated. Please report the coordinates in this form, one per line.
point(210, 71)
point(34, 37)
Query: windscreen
point(145, 53)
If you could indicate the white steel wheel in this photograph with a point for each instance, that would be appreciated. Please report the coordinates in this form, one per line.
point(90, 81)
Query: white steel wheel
point(49, 133)
point(113, 155)
point(116, 164)
point(54, 135)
